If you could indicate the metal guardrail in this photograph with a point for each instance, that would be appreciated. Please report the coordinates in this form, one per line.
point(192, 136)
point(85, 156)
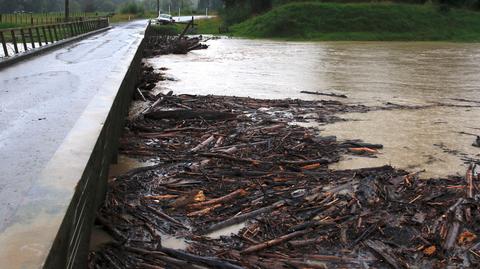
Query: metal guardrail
point(19, 40)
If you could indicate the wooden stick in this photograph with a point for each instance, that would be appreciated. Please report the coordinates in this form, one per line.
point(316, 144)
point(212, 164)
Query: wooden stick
point(181, 255)
point(240, 218)
point(273, 242)
point(384, 251)
point(306, 242)
point(306, 162)
point(141, 94)
point(469, 179)
point(232, 158)
point(203, 211)
point(223, 199)
point(203, 144)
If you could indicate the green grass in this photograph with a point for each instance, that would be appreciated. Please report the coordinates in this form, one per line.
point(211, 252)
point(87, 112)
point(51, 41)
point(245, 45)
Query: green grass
point(333, 21)
point(8, 25)
point(209, 26)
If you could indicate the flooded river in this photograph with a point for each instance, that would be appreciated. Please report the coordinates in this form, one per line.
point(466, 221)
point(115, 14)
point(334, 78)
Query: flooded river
point(371, 73)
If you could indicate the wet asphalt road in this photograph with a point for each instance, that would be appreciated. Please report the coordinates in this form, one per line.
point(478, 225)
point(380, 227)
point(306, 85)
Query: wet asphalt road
point(40, 101)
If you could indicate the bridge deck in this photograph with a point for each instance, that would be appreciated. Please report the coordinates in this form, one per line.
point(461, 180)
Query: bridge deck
point(42, 104)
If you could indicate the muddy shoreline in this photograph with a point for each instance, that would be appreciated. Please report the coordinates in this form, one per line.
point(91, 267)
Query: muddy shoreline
point(239, 165)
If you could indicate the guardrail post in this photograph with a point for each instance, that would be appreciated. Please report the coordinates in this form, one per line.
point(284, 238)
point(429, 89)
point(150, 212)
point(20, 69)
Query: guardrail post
point(14, 39)
point(4, 45)
point(31, 37)
point(22, 34)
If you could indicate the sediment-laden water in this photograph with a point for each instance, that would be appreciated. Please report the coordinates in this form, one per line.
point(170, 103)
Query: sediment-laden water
point(437, 139)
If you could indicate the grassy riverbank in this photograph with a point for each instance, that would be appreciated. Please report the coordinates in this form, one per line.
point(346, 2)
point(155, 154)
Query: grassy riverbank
point(333, 21)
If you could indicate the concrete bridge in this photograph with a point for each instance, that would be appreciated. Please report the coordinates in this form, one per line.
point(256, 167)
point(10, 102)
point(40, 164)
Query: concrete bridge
point(60, 115)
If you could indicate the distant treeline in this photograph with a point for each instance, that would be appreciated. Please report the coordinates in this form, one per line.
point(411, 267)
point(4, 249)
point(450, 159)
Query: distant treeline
point(38, 6)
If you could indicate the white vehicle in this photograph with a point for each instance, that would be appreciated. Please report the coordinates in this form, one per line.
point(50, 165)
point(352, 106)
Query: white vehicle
point(165, 19)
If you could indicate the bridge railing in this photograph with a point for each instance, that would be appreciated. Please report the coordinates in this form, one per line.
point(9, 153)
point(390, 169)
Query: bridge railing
point(20, 40)
point(20, 19)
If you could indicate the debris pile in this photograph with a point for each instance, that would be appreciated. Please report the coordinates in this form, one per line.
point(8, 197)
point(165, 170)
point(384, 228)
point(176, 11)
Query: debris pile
point(159, 43)
point(231, 162)
point(162, 45)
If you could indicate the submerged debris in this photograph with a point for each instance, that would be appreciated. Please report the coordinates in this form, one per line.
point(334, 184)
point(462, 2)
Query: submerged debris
point(228, 162)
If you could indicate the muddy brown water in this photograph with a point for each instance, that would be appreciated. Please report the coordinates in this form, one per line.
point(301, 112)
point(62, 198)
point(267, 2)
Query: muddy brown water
point(370, 73)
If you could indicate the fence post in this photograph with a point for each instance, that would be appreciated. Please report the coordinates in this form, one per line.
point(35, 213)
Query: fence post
point(55, 32)
point(31, 37)
point(71, 29)
point(22, 34)
point(45, 35)
point(14, 39)
point(38, 36)
point(50, 33)
point(4, 45)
